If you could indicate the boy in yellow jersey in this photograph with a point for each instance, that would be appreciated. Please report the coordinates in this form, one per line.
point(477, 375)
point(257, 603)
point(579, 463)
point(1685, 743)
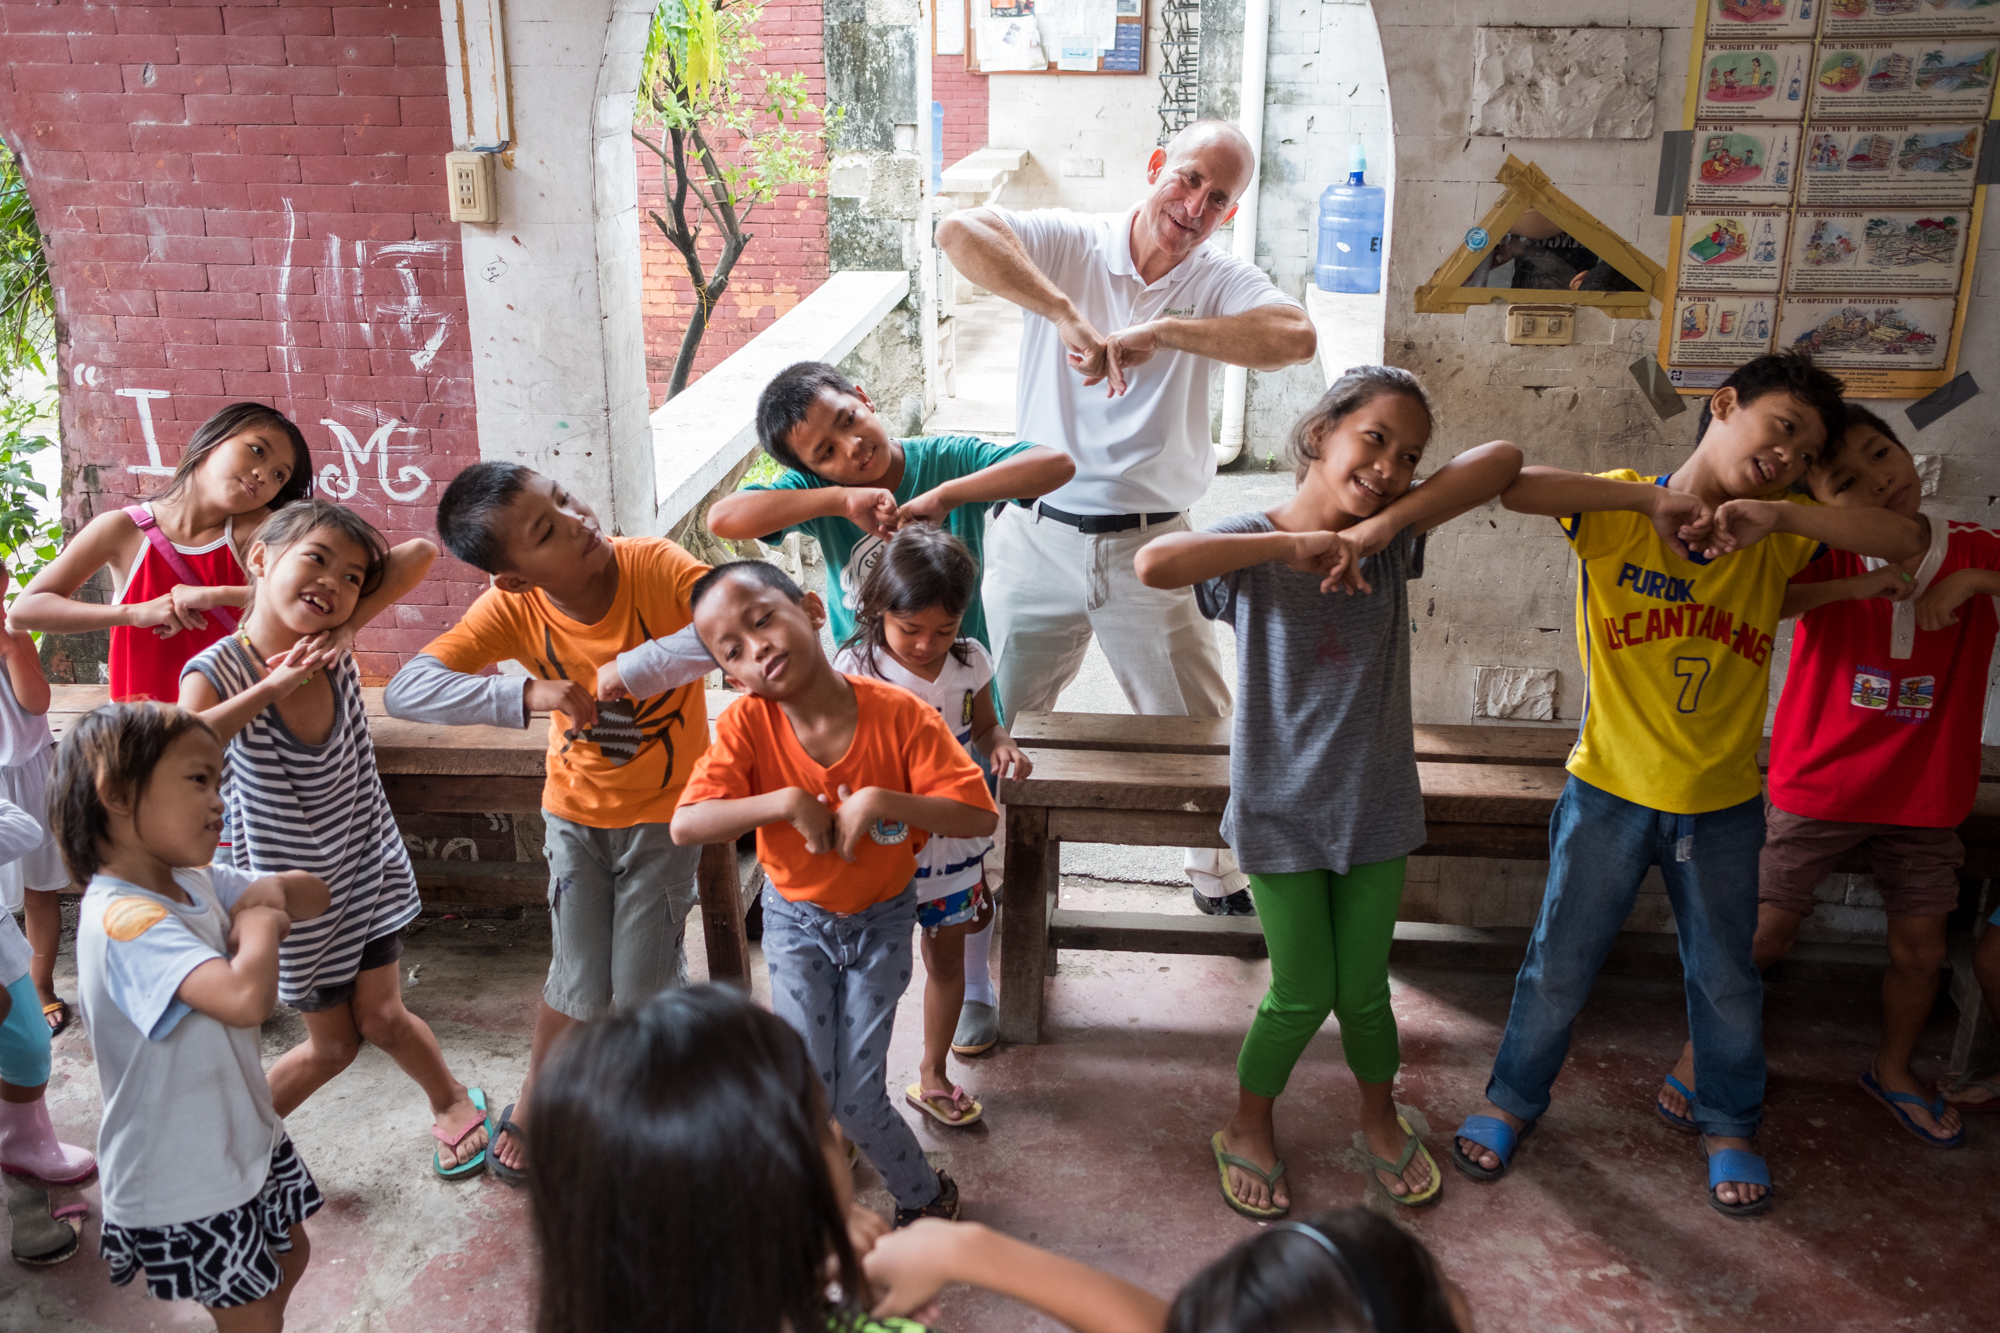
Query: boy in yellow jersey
point(1681, 578)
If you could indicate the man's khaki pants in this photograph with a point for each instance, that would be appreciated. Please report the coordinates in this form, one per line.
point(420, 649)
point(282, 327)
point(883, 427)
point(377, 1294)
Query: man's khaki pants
point(1048, 588)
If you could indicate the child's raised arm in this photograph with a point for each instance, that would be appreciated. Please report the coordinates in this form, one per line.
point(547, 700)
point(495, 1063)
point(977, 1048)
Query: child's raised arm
point(25, 674)
point(727, 819)
point(759, 513)
point(284, 674)
point(1024, 476)
point(1889, 582)
point(408, 563)
point(908, 1268)
point(1882, 533)
point(858, 811)
point(1679, 518)
point(1465, 483)
point(1939, 605)
point(1181, 559)
point(46, 603)
point(241, 990)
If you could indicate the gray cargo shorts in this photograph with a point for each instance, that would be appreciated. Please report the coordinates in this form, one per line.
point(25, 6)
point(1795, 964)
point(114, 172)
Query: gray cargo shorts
point(619, 900)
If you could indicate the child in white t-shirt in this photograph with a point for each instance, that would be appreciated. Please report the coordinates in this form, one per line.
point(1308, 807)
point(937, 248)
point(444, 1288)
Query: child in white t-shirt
point(906, 634)
point(177, 966)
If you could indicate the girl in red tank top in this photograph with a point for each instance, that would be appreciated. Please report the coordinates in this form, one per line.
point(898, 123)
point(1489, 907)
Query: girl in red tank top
point(175, 561)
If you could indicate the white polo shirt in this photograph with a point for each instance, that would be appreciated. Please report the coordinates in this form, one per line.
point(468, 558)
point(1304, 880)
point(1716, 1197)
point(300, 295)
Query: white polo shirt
point(1148, 450)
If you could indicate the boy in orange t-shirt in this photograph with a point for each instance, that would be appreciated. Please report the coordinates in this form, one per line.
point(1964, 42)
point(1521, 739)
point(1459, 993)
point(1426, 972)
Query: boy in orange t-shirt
point(844, 778)
point(566, 604)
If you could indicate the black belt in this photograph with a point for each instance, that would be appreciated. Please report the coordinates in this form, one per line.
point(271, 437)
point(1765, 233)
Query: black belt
point(1093, 525)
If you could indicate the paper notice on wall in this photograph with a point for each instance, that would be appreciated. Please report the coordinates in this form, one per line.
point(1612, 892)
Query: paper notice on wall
point(1078, 29)
point(1010, 44)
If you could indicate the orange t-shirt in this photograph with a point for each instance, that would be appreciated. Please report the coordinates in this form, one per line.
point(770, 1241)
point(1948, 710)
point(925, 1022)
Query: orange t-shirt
point(629, 768)
point(899, 743)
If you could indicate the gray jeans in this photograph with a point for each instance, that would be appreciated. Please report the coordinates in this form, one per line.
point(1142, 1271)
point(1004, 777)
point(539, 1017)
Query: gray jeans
point(619, 900)
point(836, 980)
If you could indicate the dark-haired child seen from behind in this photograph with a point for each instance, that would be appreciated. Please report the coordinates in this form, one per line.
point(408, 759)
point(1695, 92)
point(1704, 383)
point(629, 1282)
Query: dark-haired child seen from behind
point(1681, 580)
point(565, 602)
point(843, 778)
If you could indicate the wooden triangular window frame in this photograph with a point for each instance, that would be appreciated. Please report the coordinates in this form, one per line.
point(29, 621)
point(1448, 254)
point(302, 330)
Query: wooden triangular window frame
point(1528, 186)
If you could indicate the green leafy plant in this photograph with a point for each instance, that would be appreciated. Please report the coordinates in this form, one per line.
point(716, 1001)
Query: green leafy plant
point(730, 136)
point(28, 541)
point(27, 301)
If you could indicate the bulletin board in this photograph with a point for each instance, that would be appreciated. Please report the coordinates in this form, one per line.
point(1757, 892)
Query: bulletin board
point(1056, 36)
point(1832, 200)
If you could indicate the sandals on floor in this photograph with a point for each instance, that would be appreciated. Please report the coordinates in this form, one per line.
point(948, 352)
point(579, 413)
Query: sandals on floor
point(1225, 1160)
point(1679, 1122)
point(1992, 1103)
point(1488, 1132)
point(477, 1162)
point(957, 1098)
point(945, 1205)
point(1412, 1148)
point(505, 1125)
point(1896, 1101)
point(56, 1013)
point(1736, 1167)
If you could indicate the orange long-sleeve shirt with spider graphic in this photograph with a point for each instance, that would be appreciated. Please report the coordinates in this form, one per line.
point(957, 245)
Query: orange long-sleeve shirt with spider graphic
point(630, 767)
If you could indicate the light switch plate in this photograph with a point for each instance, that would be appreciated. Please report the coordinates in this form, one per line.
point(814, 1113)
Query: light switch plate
point(473, 198)
point(1541, 325)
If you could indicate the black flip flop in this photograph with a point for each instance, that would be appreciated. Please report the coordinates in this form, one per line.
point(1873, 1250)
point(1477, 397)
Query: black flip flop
point(49, 1011)
point(505, 1125)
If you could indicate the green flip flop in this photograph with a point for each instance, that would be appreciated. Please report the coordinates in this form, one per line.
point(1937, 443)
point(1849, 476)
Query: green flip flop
point(477, 1163)
point(1224, 1160)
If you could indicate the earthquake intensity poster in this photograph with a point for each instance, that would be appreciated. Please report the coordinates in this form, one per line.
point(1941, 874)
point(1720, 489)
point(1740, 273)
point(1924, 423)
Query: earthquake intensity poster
point(1830, 198)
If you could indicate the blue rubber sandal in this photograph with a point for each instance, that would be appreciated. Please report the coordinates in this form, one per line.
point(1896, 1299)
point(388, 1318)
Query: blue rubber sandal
point(1488, 1132)
point(1896, 1101)
point(477, 1162)
point(1679, 1122)
point(1737, 1167)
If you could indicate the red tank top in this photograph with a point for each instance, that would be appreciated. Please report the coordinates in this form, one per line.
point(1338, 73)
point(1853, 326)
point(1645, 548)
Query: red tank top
point(146, 666)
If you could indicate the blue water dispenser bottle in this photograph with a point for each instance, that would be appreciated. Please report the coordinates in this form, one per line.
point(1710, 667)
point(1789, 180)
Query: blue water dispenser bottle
point(1349, 257)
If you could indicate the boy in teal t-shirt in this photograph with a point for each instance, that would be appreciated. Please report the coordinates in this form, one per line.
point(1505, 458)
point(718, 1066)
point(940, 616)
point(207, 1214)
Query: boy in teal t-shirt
point(849, 486)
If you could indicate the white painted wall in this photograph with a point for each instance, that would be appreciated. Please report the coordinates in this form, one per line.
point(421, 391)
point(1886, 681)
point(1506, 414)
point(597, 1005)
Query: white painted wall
point(553, 289)
point(1110, 119)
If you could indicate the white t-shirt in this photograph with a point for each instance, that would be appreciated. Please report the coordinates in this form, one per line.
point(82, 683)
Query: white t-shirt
point(945, 865)
point(188, 1127)
point(1147, 451)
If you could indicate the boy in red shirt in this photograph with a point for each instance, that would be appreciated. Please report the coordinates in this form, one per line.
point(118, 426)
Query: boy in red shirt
point(1876, 744)
point(844, 779)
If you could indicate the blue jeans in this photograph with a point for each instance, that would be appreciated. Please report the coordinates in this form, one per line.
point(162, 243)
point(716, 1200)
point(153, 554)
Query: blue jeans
point(1600, 847)
point(836, 980)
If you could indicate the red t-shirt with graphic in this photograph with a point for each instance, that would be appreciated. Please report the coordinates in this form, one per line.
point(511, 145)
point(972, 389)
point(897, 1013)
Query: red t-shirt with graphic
point(1865, 738)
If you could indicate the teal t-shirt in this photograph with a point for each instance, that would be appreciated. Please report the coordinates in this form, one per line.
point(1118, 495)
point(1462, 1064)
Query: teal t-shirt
point(851, 553)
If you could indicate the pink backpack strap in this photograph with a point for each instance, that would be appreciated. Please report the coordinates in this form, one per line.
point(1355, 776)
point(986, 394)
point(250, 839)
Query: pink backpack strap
point(142, 518)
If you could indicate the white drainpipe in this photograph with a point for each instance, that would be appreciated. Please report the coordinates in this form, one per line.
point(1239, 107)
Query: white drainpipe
point(1256, 60)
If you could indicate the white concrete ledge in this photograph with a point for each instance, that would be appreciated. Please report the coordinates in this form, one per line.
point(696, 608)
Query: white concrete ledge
point(711, 427)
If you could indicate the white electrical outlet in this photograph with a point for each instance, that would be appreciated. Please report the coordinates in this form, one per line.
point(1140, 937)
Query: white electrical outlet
point(473, 197)
point(1541, 325)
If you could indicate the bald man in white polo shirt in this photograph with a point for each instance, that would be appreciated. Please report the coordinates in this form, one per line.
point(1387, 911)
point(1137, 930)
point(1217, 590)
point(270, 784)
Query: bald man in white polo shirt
point(1123, 320)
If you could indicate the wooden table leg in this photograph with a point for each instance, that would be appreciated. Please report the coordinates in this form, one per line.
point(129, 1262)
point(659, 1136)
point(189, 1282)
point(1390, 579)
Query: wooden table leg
point(722, 916)
point(1024, 924)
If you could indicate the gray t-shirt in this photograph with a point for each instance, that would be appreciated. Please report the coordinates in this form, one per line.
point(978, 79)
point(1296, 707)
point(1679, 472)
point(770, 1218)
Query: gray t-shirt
point(188, 1127)
point(1322, 764)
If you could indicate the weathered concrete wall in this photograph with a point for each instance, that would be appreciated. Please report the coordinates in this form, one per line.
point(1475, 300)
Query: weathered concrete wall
point(1088, 135)
point(247, 201)
point(878, 66)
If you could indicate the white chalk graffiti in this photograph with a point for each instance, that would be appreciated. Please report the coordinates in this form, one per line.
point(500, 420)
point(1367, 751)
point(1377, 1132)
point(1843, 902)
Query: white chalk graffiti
point(335, 486)
point(140, 397)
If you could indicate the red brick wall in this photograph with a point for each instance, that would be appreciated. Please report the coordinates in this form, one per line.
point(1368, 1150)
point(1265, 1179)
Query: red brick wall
point(964, 96)
point(783, 264)
point(245, 201)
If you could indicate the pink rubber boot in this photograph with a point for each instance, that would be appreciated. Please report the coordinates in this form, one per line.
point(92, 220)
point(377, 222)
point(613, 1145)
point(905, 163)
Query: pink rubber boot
point(29, 1147)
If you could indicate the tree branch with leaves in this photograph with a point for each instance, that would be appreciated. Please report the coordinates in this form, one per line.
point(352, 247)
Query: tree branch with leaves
point(726, 146)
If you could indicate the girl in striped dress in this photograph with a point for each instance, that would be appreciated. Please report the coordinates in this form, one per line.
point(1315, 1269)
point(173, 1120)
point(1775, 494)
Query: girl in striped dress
point(302, 793)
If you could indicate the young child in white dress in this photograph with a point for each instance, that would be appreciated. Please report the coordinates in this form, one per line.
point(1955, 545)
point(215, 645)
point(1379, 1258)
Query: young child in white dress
point(906, 634)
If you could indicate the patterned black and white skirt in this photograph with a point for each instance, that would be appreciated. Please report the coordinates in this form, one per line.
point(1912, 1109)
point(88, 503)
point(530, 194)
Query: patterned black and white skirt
point(225, 1260)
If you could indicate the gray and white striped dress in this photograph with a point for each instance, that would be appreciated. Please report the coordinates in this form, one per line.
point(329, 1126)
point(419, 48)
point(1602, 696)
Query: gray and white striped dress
point(316, 808)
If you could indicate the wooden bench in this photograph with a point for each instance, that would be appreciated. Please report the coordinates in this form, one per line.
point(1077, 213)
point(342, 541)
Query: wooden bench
point(432, 770)
point(1164, 781)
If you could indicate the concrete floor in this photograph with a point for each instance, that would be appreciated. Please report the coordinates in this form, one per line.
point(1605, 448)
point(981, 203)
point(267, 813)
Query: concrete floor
point(1095, 1144)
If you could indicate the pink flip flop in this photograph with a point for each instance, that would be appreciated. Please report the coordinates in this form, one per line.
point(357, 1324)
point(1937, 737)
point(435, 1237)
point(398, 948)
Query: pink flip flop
point(957, 1098)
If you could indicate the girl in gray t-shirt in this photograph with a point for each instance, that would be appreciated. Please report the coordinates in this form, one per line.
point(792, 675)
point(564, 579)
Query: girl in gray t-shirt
point(1324, 805)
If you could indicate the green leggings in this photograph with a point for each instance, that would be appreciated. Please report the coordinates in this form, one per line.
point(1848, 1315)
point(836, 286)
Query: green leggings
point(1329, 938)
